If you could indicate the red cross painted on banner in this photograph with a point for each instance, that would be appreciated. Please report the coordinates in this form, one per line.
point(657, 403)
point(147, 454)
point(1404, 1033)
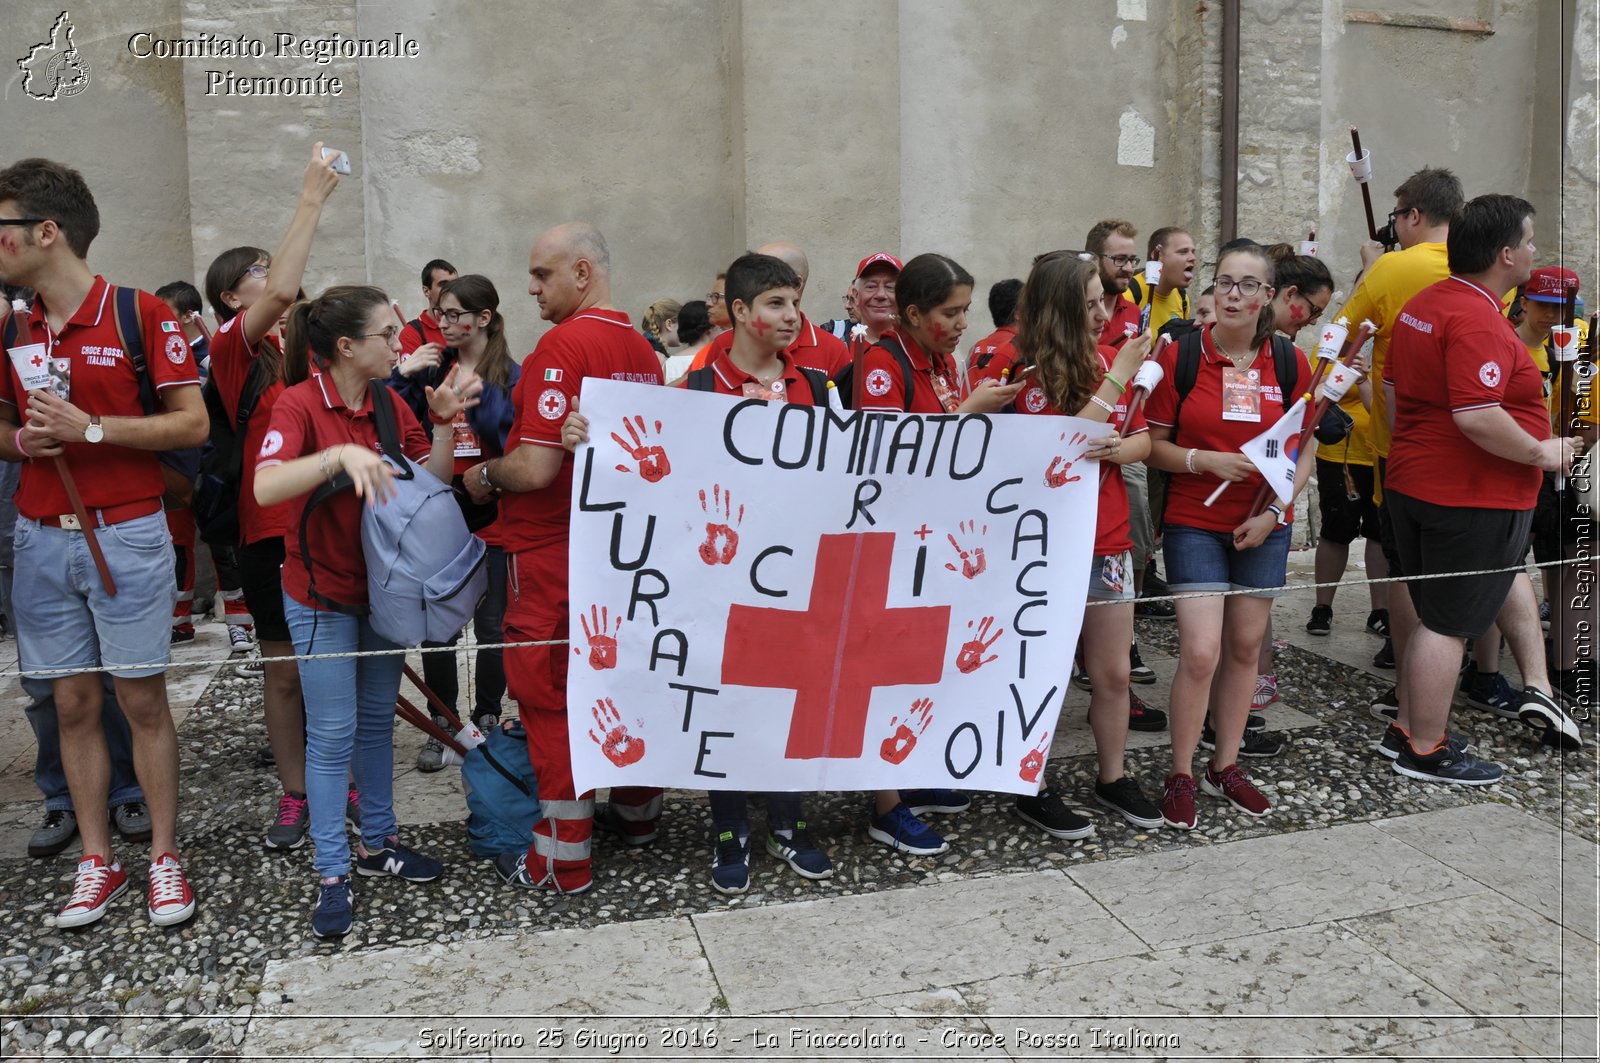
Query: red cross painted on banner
point(832, 654)
point(923, 533)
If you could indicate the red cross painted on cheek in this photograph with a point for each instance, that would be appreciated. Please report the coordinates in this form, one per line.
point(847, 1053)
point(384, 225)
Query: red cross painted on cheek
point(937, 332)
point(761, 327)
point(833, 653)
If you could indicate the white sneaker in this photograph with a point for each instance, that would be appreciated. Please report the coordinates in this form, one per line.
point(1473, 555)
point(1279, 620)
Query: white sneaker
point(250, 665)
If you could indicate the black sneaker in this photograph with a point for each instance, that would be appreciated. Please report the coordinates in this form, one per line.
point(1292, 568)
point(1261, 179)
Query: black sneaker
point(1047, 812)
point(1489, 691)
point(1386, 706)
point(1138, 671)
point(1378, 622)
point(1142, 717)
point(1145, 609)
point(1384, 658)
point(1253, 722)
point(1258, 744)
point(1321, 622)
point(1444, 765)
point(1541, 712)
point(1126, 799)
point(1394, 740)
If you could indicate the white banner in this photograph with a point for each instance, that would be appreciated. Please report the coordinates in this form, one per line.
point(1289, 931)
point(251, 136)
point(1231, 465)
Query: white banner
point(787, 597)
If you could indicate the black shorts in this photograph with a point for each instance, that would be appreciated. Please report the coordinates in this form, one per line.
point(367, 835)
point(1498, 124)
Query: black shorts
point(261, 579)
point(1560, 525)
point(1391, 552)
point(1434, 539)
point(1343, 519)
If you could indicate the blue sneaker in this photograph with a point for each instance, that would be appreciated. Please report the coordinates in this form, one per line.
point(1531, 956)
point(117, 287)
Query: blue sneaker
point(946, 802)
point(336, 909)
point(1489, 691)
point(800, 852)
point(395, 859)
point(730, 866)
point(899, 828)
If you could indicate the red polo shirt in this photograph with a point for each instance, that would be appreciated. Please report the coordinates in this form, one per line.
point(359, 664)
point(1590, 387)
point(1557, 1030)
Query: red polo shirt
point(882, 381)
point(1202, 426)
point(1451, 351)
point(591, 343)
point(1123, 322)
point(812, 349)
point(729, 379)
point(997, 346)
point(231, 359)
point(307, 418)
point(411, 339)
point(100, 380)
point(1112, 530)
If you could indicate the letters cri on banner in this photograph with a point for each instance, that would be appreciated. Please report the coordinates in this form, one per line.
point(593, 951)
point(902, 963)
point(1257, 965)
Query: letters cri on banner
point(784, 597)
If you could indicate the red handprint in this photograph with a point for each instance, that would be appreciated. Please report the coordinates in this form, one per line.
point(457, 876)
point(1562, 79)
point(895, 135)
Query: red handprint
point(898, 746)
point(972, 561)
point(710, 552)
point(652, 459)
point(620, 747)
point(601, 639)
point(1033, 763)
point(971, 657)
point(1060, 465)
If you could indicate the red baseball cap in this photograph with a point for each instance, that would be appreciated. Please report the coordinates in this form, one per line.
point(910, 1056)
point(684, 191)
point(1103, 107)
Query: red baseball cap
point(1550, 285)
point(881, 258)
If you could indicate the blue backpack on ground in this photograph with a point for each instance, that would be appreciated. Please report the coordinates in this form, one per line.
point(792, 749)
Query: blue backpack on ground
point(502, 793)
point(425, 571)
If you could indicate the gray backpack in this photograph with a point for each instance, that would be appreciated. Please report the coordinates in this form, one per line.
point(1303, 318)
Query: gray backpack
point(425, 571)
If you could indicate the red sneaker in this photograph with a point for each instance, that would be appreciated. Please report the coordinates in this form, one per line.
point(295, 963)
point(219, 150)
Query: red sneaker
point(171, 899)
point(1177, 804)
point(97, 885)
point(1235, 786)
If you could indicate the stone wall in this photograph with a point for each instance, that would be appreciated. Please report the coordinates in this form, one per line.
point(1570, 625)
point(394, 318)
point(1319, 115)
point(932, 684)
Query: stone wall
point(689, 130)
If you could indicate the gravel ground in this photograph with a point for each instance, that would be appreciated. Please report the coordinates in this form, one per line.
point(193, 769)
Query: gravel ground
point(124, 987)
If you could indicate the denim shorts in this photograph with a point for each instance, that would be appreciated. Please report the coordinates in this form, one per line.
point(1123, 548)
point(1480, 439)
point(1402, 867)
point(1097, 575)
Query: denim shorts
point(1201, 560)
point(1111, 577)
point(67, 623)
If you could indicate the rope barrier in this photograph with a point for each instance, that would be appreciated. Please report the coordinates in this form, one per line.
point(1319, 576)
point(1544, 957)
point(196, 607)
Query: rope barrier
point(475, 647)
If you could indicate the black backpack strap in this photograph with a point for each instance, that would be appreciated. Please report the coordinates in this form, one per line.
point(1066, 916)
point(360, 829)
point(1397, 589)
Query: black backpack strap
point(1287, 368)
point(8, 339)
point(505, 772)
point(908, 375)
point(819, 385)
point(700, 379)
point(319, 496)
point(1136, 289)
point(1185, 370)
point(388, 428)
point(130, 329)
point(416, 323)
point(1183, 302)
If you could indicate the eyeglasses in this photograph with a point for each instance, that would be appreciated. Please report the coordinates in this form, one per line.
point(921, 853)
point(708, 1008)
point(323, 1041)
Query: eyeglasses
point(713, 297)
point(1313, 311)
point(1081, 256)
point(1399, 212)
point(1121, 261)
point(455, 316)
point(387, 334)
point(1247, 287)
point(22, 221)
point(258, 271)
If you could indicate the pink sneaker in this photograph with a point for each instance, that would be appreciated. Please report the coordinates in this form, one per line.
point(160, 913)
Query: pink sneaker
point(1234, 786)
point(171, 899)
point(1177, 804)
point(97, 885)
point(1266, 692)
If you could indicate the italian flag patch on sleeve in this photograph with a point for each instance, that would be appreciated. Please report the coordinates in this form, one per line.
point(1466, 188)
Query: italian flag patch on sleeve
point(552, 375)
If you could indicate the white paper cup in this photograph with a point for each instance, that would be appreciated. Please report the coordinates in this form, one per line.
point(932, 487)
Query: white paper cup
point(1330, 341)
point(1360, 169)
point(1152, 272)
point(1564, 340)
point(1308, 247)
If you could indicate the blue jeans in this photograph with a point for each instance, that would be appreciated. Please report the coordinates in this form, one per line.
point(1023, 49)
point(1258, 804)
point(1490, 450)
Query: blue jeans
point(349, 729)
point(1202, 560)
point(48, 774)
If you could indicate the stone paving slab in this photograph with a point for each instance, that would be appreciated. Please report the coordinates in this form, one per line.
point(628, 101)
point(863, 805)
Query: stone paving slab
point(1173, 898)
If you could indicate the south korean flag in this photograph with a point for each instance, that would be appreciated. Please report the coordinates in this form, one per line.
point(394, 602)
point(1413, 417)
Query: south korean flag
point(1276, 450)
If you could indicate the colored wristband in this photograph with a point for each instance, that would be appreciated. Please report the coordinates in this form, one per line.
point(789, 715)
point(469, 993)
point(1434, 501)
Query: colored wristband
point(1188, 459)
point(20, 448)
point(1103, 404)
point(1121, 387)
point(436, 419)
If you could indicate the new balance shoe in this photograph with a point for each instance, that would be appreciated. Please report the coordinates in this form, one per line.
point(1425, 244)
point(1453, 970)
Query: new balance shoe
point(943, 802)
point(1321, 622)
point(239, 639)
point(352, 808)
point(1489, 691)
point(1138, 671)
point(730, 862)
point(1142, 717)
point(1234, 786)
point(1384, 658)
point(795, 848)
point(1050, 814)
point(60, 826)
point(1394, 740)
point(294, 820)
point(1378, 622)
point(132, 820)
point(171, 899)
point(1177, 802)
point(1542, 713)
point(899, 828)
point(97, 884)
point(1126, 799)
point(636, 834)
point(1266, 692)
point(1386, 706)
point(335, 912)
point(1258, 744)
point(1446, 766)
point(395, 859)
point(430, 758)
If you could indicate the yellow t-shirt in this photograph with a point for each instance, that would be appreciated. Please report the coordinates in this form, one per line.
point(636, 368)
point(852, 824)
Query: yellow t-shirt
point(1386, 287)
point(1163, 308)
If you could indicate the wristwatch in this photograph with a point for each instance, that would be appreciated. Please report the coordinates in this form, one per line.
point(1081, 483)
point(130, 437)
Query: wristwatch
point(95, 432)
point(483, 475)
point(1276, 511)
